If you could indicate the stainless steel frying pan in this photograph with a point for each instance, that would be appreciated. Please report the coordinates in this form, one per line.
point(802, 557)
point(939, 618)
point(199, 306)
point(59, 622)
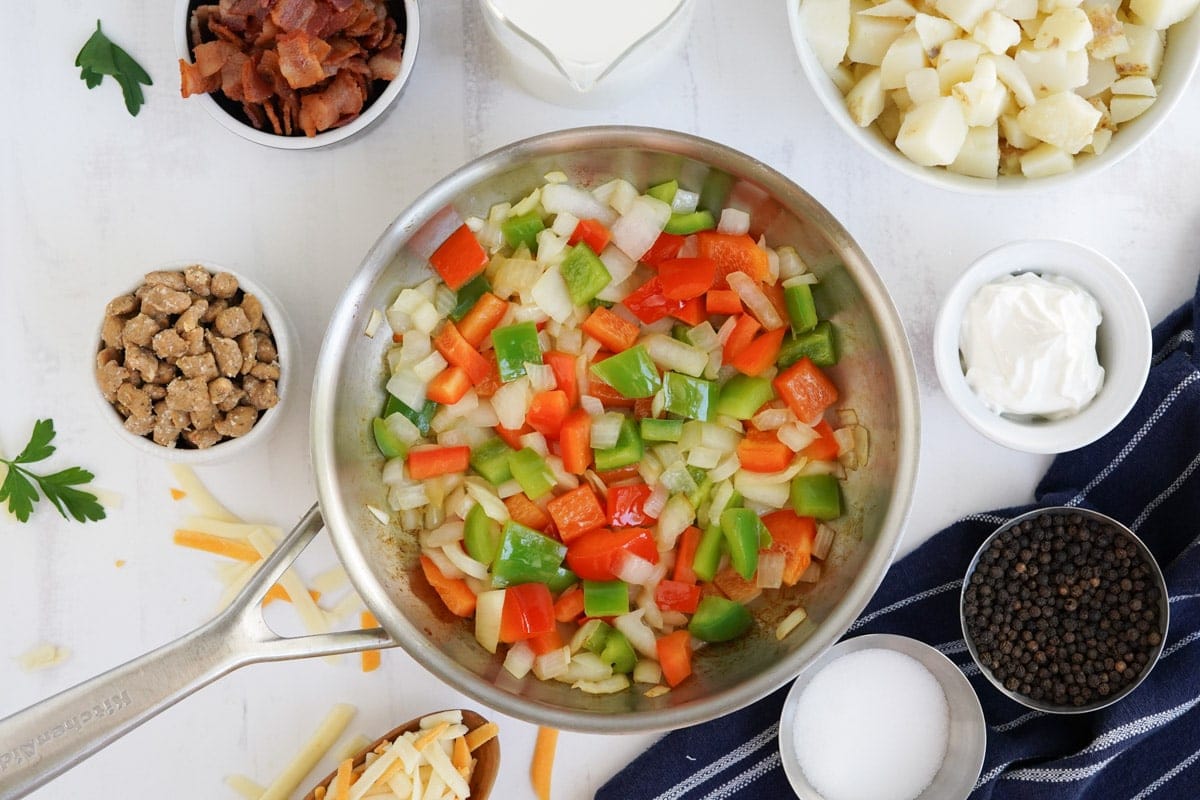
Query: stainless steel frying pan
point(875, 376)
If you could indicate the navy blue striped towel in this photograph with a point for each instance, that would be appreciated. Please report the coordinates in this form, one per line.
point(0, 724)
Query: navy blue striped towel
point(1147, 746)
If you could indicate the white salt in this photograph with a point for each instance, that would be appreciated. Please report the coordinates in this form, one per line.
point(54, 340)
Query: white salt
point(872, 725)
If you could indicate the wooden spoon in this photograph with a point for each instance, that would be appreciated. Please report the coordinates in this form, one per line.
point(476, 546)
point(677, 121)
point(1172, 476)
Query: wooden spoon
point(487, 756)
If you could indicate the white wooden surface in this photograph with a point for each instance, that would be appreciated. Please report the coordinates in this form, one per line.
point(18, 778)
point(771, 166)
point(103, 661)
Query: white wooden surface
point(90, 198)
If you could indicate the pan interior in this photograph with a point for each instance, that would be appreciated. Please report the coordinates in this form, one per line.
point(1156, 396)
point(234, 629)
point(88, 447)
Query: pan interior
point(875, 377)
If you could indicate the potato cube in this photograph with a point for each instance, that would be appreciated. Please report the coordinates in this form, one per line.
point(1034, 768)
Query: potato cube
point(932, 133)
point(923, 85)
point(889, 122)
point(1014, 78)
point(1014, 134)
point(1049, 6)
point(982, 97)
point(934, 32)
point(900, 99)
point(826, 23)
point(865, 100)
point(1063, 119)
point(956, 63)
point(1135, 85)
point(1100, 141)
point(965, 13)
point(904, 56)
point(891, 8)
point(1145, 54)
point(980, 154)
point(870, 38)
point(1101, 75)
point(1123, 108)
point(1046, 160)
point(1163, 13)
point(997, 32)
point(1053, 71)
point(1017, 9)
point(1108, 32)
point(1068, 28)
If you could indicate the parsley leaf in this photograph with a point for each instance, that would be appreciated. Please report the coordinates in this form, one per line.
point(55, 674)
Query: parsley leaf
point(100, 57)
point(19, 491)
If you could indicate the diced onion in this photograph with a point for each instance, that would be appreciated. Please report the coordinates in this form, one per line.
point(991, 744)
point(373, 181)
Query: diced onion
point(619, 265)
point(489, 608)
point(720, 498)
point(755, 300)
point(551, 248)
point(732, 423)
point(833, 468)
point(519, 660)
point(726, 468)
point(674, 619)
point(550, 294)
point(373, 323)
point(407, 388)
point(590, 348)
point(770, 570)
point(772, 266)
point(402, 428)
point(585, 666)
point(459, 503)
point(550, 665)
point(704, 457)
point(647, 671)
point(444, 564)
point(734, 221)
point(684, 202)
point(771, 419)
point(656, 501)
point(754, 488)
point(677, 478)
point(618, 193)
point(483, 416)
point(395, 473)
point(636, 230)
point(583, 633)
point(617, 683)
point(726, 329)
point(667, 452)
point(564, 224)
point(713, 370)
point(596, 482)
point(379, 514)
point(796, 435)
point(562, 478)
point(790, 622)
point(464, 562)
point(807, 279)
point(645, 602)
point(704, 337)
point(561, 197)
point(444, 300)
point(606, 429)
point(541, 377)
point(812, 574)
point(426, 318)
point(405, 498)
point(637, 632)
point(674, 355)
point(676, 516)
point(556, 176)
point(632, 568)
point(535, 442)
point(527, 203)
point(570, 340)
point(449, 533)
point(515, 275)
point(428, 368)
point(511, 403)
point(509, 488)
point(417, 345)
point(481, 493)
point(790, 263)
point(823, 541)
point(475, 224)
point(690, 248)
point(591, 405)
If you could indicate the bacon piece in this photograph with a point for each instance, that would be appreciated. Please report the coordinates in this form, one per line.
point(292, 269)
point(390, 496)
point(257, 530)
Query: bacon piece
point(322, 110)
point(211, 56)
point(192, 81)
point(255, 115)
point(231, 76)
point(341, 5)
point(385, 65)
point(254, 87)
point(315, 25)
point(291, 15)
point(300, 57)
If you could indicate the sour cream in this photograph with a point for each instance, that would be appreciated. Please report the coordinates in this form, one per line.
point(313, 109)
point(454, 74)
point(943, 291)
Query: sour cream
point(1028, 346)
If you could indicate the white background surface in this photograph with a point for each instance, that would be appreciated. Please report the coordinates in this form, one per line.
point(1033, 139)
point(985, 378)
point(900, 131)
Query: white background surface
point(90, 198)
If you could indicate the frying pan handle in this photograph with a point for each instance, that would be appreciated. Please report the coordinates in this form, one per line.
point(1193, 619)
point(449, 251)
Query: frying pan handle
point(48, 738)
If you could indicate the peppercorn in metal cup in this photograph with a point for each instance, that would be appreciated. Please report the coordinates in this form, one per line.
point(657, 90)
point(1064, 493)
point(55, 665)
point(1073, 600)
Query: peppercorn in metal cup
point(1064, 610)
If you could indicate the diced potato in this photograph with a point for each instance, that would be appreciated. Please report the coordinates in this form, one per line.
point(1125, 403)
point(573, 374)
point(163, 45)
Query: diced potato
point(870, 38)
point(889, 121)
point(1123, 108)
point(900, 99)
point(980, 154)
point(932, 133)
point(923, 85)
point(827, 26)
point(891, 8)
point(1068, 28)
point(964, 13)
point(1063, 119)
point(956, 63)
point(1053, 71)
point(1050, 6)
point(865, 100)
point(1101, 75)
point(1014, 78)
point(934, 32)
point(997, 32)
point(1135, 85)
point(1014, 134)
point(1162, 13)
point(1046, 160)
point(1100, 141)
point(843, 78)
point(1145, 54)
point(1108, 32)
point(1030, 27)
point(905, 55)
point(983, 96)
point(1017, 9)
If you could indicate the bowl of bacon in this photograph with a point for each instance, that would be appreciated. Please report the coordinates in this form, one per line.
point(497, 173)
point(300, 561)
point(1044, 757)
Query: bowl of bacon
point(296, 74)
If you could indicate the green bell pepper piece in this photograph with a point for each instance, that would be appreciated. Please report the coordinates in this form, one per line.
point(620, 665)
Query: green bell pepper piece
point(386, 441)
point(742, 529)
point(630, 372)
point(420, 418)
point(743, 395)
point(686, 224)
point(515, 346)
point(584, 273)
point(690, 397)
point(490, 460)
point(618, 653)
point(715, 191)
point(703, 489)
point(596, 302)
point(708, 553)
point(661, 430)
point(469, 295)
point(597, 632)
point(719, 620)
point(628, 449)
point(816, 496)
point(680, 334)
point(481, 535)
point(818, 344)
point(523, 230)
point(664, 191)
point(605, 598)
point(561, 579)
point(526, 556)
point(800, 307)
point(532, 472)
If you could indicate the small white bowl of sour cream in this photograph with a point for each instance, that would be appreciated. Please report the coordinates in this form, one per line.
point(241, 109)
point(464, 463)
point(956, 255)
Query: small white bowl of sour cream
point(1122, 348)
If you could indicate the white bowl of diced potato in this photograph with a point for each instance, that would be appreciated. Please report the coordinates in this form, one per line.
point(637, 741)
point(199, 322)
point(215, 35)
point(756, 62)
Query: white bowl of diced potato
point(980, 95)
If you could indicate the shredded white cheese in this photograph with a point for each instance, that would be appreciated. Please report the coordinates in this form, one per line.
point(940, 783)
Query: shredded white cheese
point(43, 656)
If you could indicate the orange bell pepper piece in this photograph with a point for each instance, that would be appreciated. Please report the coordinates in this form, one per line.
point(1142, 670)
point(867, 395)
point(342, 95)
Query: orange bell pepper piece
point(675, 656)
point(806, 390)
point(454, 592)
point(448, 386)
point(615, 333)
point(575, 440)
point(758, 356)
point(437, 461)
point(459, 258)
point(485, 315)
point(575, 513)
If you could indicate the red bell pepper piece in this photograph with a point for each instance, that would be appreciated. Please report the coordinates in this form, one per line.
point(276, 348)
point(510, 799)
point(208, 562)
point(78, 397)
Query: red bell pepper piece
point(565, 378)
point(528, 612)
point(485, 315)
point(436, 461)
point(626, 506)
point(649, 304)
point(761, 451)
point(806, 390)
point(689, 540)
point(666, 246)
point(491, 384)
point(677, 596)
point(593, 555)
point(592, 233)
point(618, 475)
point(685, 278)
point(825, 447)
point(459, 258)
point(692, 312)
point(758, 356)
point(569, 605)
point(793, 536)
point(733, 253)
point(547, 412)
point(724, 301)
point(643, 407)
point(512, 437)
point(575, 439)
point(575, 513)
point(448, 386)
point(454, 592)
point(675, 656)
point(615, 333)
point(546, 642)
point(740, 337)
point(459, 352)
point(607, 395)
point(526, 512)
